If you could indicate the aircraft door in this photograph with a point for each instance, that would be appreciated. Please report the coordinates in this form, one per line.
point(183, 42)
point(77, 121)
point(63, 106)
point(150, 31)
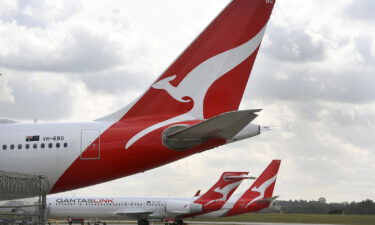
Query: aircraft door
point(90, 143)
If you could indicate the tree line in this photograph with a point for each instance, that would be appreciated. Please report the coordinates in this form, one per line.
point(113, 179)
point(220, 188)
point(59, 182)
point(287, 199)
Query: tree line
point(321, 207)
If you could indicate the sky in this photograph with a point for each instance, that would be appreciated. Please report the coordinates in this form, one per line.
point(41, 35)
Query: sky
point(314, 78)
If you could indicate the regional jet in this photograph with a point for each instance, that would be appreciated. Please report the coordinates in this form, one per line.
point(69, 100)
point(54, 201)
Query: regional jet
point(218, 201)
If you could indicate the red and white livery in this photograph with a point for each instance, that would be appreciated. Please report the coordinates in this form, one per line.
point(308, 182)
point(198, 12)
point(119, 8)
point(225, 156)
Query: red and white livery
point(190, 108)
point(218, 201)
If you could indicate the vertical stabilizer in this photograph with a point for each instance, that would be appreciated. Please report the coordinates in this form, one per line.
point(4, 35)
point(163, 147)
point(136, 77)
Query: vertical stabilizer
point(216, 65)
point(221, 191)
point(259, 195)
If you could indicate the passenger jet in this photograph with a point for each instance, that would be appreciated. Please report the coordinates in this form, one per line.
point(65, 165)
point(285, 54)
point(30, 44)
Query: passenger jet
point(216, 202)
point(190, 108)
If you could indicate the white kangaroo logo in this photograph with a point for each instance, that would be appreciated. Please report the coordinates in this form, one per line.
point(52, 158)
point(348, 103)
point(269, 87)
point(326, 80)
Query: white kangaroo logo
point(261, 189)
point(196, 84)
point(224, 192)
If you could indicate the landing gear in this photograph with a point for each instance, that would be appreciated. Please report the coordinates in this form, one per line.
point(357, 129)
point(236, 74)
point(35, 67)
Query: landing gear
point(179, 222)
point(143, 222)
point(175, 222)
point(97, 222)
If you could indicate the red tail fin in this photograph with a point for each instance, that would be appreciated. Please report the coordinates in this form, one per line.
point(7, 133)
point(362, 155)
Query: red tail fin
point(260, 190)
point(218, 194)
point(216, 65)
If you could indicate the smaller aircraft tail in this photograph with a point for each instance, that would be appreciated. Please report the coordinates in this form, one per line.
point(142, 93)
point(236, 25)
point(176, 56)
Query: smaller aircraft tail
point(221, 191)
point(259, 195)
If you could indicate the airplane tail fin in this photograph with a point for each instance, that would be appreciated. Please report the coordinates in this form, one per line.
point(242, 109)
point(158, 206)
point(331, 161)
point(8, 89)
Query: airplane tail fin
point(259, 195)
point(221, 191)
point(216, 65)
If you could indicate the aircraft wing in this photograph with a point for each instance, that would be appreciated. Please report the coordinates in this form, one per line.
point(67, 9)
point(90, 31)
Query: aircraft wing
point(18, 206)
point(225, 125)
point(134, 214)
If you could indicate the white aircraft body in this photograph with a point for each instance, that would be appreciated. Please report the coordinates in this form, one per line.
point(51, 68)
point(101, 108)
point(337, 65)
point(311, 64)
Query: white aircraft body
point(216, 202)
point(190, 108)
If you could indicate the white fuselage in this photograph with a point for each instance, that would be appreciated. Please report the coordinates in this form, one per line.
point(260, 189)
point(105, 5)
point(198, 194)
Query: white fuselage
point(158, 208)
point(112, 207)
point(55, 149)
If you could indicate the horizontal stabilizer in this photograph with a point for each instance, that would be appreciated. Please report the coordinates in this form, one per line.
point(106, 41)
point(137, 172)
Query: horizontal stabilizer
point(6, 121)
point(267, 200)
point(226, 126)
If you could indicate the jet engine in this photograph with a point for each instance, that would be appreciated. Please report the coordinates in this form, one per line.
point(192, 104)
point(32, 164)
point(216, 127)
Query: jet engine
point(182, 207)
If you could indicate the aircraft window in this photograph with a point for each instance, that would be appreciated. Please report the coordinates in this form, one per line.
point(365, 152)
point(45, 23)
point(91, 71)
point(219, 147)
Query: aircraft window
point(27, 146)
point(19, 146)
point(35, 146)
point(42, 145)
point(57, 145)
point(4, 147)
point(11, 147)
point(65, 145)
point(50, 145)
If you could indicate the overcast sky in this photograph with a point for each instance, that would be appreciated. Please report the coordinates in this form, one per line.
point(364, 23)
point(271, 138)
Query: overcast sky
point(314, 78)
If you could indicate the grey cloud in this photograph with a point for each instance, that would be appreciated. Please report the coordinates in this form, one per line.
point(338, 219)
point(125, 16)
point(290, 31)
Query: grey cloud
point(31, 103)
point(81, 51)
point(364, 45)
point(36, 13)
point(361, 9)
point(351, 124)
point(324, 115)
point(276, 81)
point(115, 81)
point(293, 45)
point(5, 92)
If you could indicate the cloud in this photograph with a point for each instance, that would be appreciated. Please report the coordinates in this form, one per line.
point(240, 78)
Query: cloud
point(353, 85)
point(293, 45)
point(313, 78)
point(33, 99)
point(71, 49)
point(362, 10)
point(36, 13)
point(116, 81)
point(364, 45)
point(6, 91)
